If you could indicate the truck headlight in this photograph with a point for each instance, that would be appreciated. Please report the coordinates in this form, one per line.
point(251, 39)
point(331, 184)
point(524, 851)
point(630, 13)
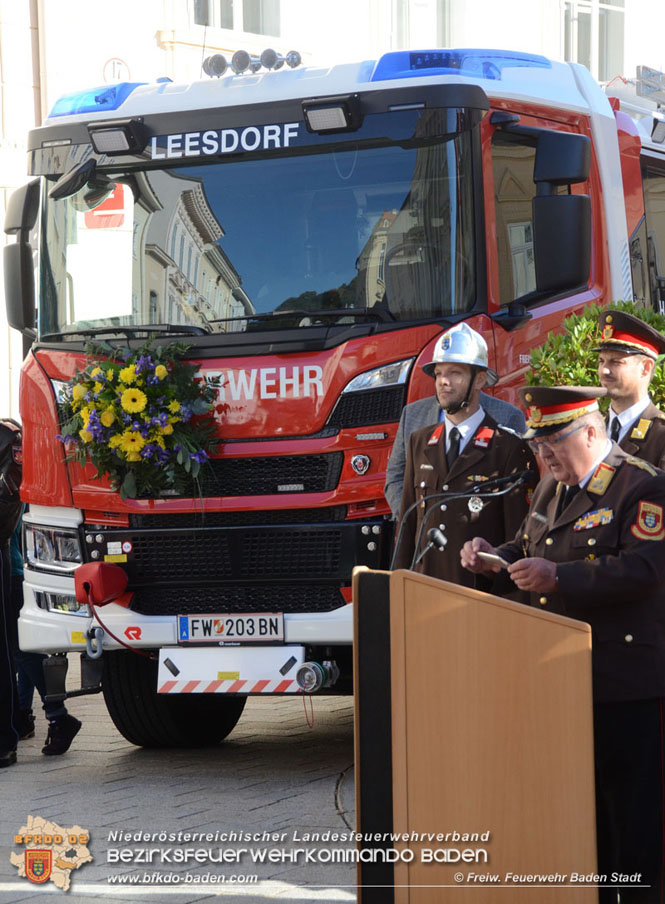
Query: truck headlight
point(52, 548)
point(388, 375)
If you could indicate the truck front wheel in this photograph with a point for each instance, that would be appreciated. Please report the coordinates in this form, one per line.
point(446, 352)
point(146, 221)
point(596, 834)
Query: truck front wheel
point(149, 719)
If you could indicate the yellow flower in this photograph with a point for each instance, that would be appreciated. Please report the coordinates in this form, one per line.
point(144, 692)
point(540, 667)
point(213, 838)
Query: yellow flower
point(85, 435)
point(115, 441)
point(79, 391)
point(107, 417)
point(133, 456)
point(96, 371)
point(174, 406)
point(128, 374)
point(167, 430)
point(160, 442)
point(132, 441)
point(110, 374)
point(160, 371)
point(133, 400)
point(97, 387)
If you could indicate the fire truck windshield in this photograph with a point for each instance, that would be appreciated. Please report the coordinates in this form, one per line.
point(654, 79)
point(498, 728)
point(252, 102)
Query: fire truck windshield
point(381, 232)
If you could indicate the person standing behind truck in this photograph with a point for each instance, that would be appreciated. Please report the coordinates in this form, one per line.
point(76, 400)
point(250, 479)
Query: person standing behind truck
point(428, 411)
point(629, 350)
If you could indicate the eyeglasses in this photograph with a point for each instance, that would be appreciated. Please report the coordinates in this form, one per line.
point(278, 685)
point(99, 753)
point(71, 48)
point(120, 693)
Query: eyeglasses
point(536, 445)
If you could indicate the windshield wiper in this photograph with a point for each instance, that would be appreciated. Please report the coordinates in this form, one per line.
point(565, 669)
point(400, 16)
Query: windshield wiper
point(376, 313)
point(132, 331)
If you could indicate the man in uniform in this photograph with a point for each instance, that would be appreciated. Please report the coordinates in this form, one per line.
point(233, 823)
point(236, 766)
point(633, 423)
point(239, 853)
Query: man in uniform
point(424, 412)
point(466, 449)
point(628, 350)
point(592, 547)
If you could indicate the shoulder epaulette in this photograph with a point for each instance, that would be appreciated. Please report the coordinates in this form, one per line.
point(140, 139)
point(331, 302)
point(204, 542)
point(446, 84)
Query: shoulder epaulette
point(643, 465)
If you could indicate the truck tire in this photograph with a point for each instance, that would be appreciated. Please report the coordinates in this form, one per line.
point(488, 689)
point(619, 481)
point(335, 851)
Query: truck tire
point(149, 719)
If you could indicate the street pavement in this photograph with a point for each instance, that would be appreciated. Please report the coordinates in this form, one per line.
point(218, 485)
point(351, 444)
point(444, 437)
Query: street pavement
point(274, 774)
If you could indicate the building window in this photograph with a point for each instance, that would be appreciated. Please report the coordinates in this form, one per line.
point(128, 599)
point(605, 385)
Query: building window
point(593, 34)
point(261, 17)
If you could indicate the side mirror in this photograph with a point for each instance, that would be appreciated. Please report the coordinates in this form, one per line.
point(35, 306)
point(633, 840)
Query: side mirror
point(20, 218)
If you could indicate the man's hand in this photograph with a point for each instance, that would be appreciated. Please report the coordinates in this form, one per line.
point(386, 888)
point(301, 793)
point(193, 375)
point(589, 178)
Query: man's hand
point(536, 575)
point(470, 560)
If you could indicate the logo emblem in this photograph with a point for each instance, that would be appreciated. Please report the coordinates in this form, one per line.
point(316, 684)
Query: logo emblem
point(608, 331)
point(535, 414)
point(38, 865)
point(445, 343)
point(360, 464)
point(649, 524)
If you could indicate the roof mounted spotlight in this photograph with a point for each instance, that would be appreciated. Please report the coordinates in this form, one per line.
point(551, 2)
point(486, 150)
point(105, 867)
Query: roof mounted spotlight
point(241, 61)
point(271, 59)
point(118, 136)
point(333, 114)
point(658, 127)
point(215, 65)
point(293, 59)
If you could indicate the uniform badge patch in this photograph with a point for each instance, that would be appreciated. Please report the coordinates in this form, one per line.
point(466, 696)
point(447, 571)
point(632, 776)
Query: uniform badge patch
point(476, 478)
point(640, 431)
point(601, 479)
point(594, 519)
point(424, 467)
point(649, 523)
point(436, 436)
point(483, 437)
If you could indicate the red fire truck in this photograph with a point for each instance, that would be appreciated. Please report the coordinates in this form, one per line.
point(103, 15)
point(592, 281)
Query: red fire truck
point(309, 232)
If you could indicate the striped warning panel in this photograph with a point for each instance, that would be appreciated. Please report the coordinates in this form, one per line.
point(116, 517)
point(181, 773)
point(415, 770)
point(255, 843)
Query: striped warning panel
point(229, 687)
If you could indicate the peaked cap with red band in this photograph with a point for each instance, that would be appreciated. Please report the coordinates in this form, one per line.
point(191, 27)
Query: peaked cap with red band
point(551, 408)
point(629, 335)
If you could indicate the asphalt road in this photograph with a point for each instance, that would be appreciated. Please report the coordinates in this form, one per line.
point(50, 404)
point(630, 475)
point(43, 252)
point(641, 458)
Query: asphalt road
point(274, 776)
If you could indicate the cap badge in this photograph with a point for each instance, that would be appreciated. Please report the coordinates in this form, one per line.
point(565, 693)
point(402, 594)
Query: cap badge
point(445, 343)
point(608, 331)
point(535, 414)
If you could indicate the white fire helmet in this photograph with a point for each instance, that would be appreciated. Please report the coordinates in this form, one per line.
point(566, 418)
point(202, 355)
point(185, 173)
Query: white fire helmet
point(463, 345)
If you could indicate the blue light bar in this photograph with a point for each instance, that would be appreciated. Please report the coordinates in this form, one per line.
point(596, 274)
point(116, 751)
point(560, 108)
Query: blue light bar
point(95, 100)
point(475, 63)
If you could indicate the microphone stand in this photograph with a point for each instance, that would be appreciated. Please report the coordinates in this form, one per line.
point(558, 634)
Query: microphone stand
point(476, 490)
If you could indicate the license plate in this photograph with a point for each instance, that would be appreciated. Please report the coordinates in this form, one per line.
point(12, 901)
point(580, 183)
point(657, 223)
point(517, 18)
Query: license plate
point(231, 629)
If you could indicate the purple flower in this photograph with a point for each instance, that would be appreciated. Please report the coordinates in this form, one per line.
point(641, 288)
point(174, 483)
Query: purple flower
point(199, 456)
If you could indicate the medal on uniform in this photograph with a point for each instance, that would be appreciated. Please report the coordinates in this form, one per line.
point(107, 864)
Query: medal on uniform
point(476, 505)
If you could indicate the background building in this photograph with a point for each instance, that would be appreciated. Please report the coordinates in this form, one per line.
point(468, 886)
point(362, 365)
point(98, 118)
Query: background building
point(52, 47)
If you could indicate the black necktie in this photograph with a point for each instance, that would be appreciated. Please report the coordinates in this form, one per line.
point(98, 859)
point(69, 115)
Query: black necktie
point(615, 429)
point(453, 448)
point(568, 495)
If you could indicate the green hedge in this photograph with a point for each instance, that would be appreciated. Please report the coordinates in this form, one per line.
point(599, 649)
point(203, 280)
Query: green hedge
point(567, 359)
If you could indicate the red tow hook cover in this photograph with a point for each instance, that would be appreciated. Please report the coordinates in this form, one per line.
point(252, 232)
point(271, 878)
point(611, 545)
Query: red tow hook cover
point(99, 583)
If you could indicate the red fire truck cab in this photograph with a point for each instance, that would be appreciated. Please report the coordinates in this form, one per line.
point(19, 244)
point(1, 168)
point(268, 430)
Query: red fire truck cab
point(309, 232)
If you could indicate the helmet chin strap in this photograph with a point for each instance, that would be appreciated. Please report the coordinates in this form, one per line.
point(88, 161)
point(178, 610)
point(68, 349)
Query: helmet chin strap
point(453, 409)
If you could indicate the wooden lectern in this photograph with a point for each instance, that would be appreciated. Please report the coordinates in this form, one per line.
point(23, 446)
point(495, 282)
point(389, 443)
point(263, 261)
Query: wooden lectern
point(473, 715)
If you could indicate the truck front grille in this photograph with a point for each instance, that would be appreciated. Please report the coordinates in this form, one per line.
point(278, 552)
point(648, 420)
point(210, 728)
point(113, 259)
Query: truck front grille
point(271, 475)
point(237, 598)
point(369, 406)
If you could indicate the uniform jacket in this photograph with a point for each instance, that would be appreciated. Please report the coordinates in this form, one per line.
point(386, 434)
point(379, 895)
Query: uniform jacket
point(492, 451)
point(425, 412)
point(609, 544)
point(646, 437)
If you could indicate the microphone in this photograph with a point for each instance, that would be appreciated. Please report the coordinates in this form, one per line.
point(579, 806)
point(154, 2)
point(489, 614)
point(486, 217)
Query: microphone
point(514, 480)
point(436, 538)
point(518, 477)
